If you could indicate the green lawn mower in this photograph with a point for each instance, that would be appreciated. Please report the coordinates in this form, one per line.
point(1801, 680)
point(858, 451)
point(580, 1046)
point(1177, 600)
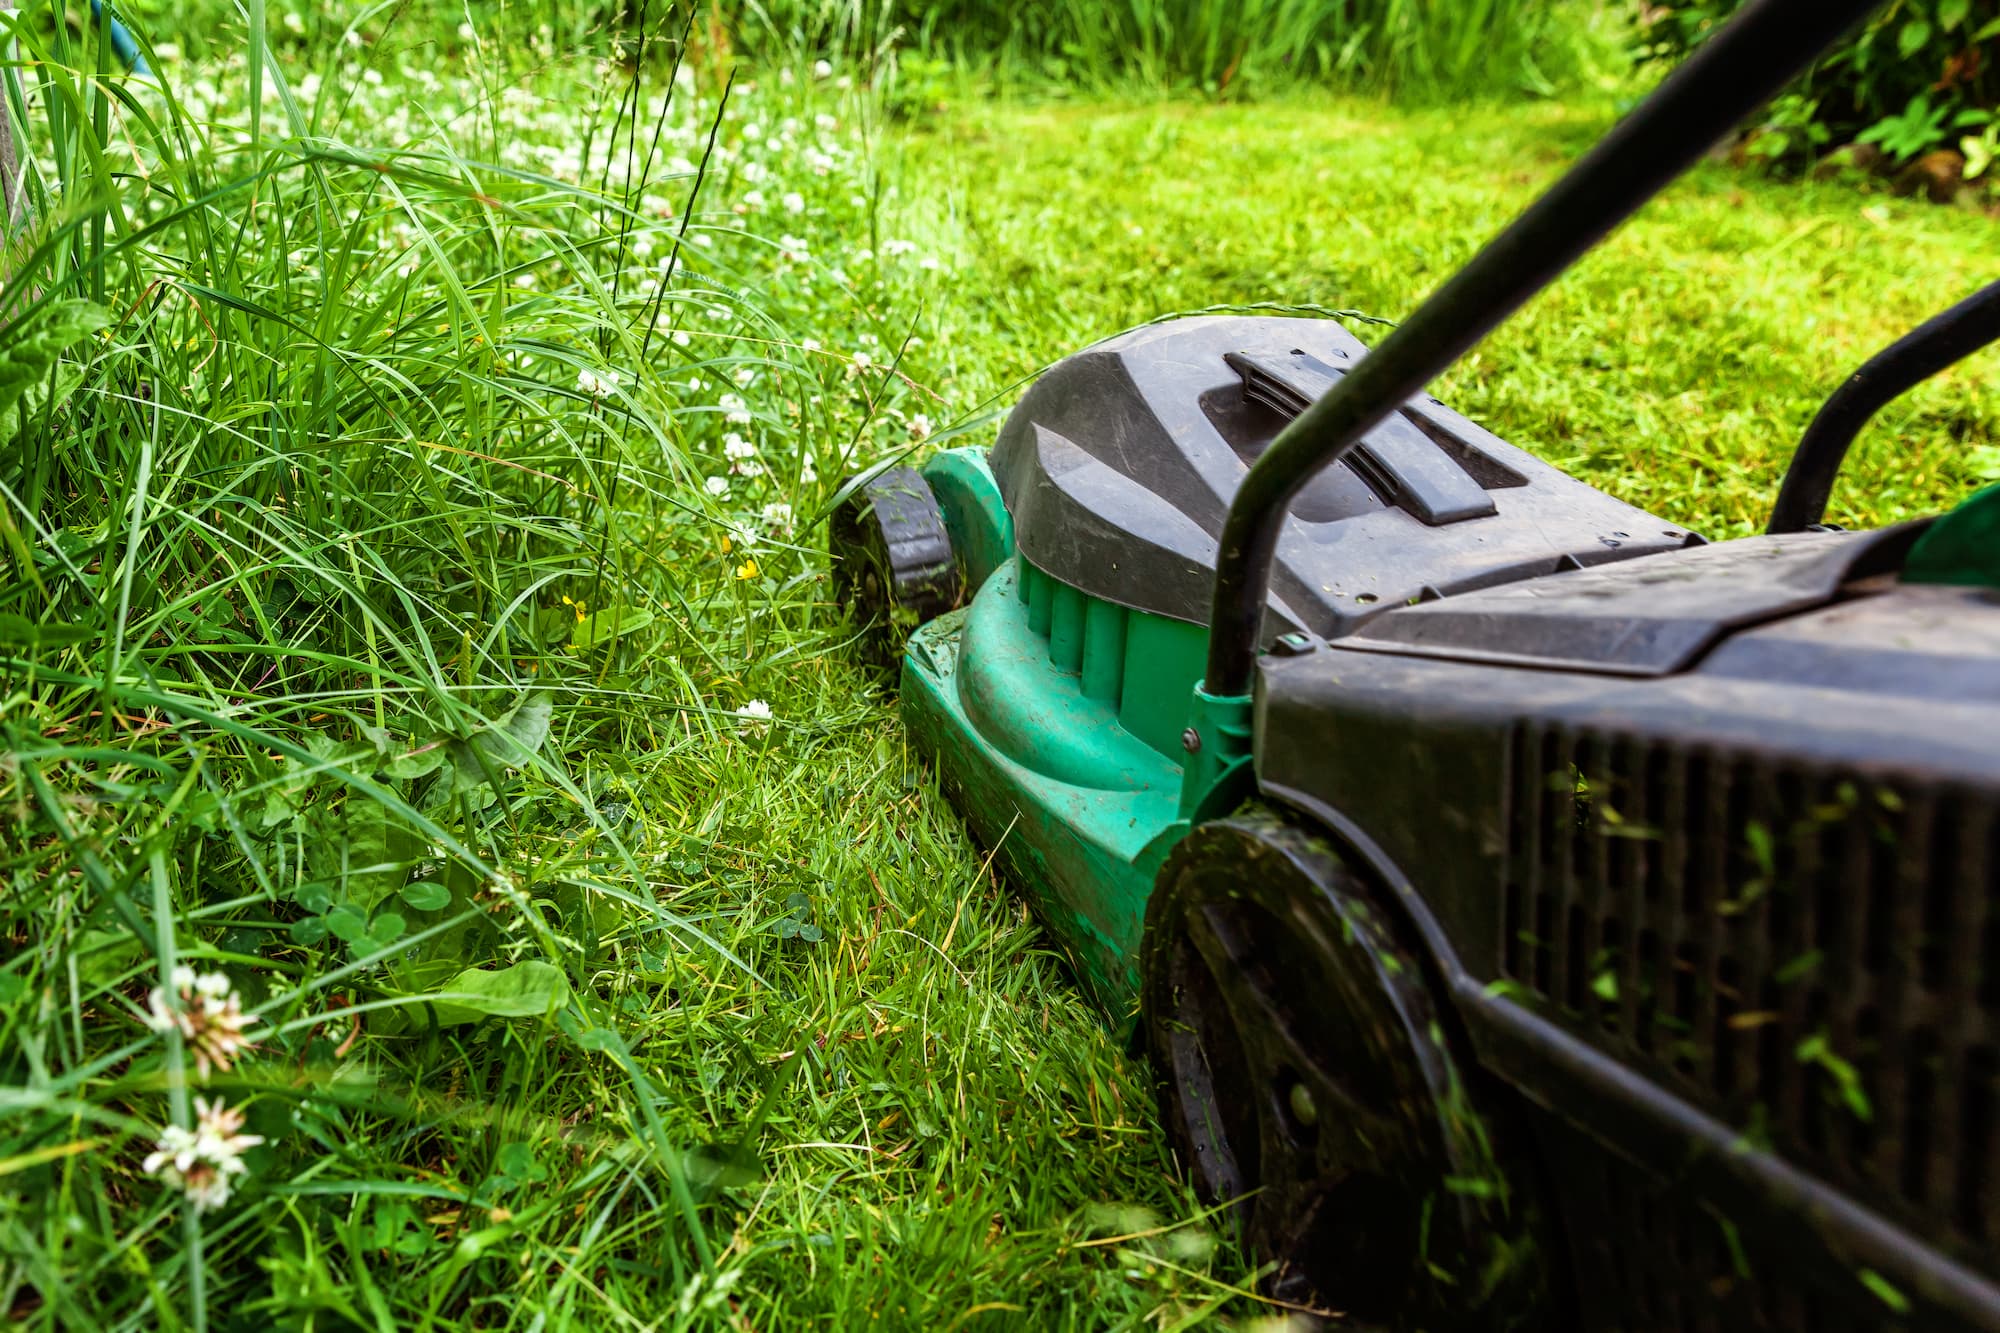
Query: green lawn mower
point(1537, 916)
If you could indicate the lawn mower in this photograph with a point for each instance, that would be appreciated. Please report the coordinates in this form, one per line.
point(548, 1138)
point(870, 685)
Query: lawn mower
point(1537, 916)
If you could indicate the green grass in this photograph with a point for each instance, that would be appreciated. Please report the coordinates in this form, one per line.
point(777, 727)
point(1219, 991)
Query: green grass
point(1414, 49)
point(295, 684)
point(1676, 366)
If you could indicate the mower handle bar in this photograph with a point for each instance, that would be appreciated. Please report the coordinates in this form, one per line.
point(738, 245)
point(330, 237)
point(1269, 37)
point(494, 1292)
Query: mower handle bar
point(1762, 49)
point(1938, 342)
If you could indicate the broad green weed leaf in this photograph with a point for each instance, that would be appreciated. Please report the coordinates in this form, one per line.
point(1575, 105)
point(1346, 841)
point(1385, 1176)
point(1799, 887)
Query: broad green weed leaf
point(426, 895)
point(601, 627)
point(28, 347)
point(526, 990)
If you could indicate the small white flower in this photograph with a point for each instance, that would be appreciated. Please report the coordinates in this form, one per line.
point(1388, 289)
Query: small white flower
point(793, 202)
point(716, 486)
point(703, 239)
point(735, 446)
point(200, 1162)
point(595, 383)
point(861, 361)
point(778, 515)
point(920, 427)
point(822, 69)
point(753, 131)
point(898, 247)
point(219, 1135)
point(176, 1148)
point(747, 468)
point(735, 411)
point(807, 472)
point(929, 264)
point(754, 200)
point(524, 280)
point(755, 715)
point(682, 337)
point(744, 376)
point(208, 1014)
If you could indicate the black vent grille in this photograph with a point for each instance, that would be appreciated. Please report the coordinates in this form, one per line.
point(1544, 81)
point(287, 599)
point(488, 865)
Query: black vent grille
point(1811, 955)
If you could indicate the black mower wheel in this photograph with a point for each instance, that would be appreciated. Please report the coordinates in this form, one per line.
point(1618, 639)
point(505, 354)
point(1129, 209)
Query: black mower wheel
point(893, 567)
point(1304, 1073)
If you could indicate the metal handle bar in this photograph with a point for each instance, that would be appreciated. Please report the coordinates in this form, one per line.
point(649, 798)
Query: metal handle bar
point(1913, 358)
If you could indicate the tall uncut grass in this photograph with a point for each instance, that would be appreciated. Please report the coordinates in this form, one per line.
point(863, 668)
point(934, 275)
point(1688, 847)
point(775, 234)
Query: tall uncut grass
point(1414, 49)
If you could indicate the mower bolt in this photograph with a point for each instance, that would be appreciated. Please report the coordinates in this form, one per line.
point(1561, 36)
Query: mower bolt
point(1191, 740)
point(1292, 645)
point(1302, 1104)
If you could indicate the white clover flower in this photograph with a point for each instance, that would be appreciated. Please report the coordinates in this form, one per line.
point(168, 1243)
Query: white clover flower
point(861, 361)
point(929, 264)
point(793, 202)
point(754, 715)
point(745, 376)
point(735, 446)
point(920, 427)
point(524, 280)
point(825, 122)
point(294, 23)
point(642, 244)
point(208, 1014)
point(808, 474)
point(174, 1149)
point(752, 131)
point(596, 383)
point(735, 411)
point(809, 344)
point(754, 200)
point(792, 250)
point(702, 239)
point(747, 468)
point(754, 173)
point(778, 515)
point(716, 486)
point(201, 1162)
point(682, 337)
point(822, 69)
point(895, 247)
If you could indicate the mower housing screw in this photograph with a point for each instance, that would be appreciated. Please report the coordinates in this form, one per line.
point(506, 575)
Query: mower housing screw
point(1191, 740)
point(1294, 644)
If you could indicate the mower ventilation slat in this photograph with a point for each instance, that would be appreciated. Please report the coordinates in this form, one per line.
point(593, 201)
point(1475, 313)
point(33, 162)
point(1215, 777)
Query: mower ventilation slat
point(1796, 950)
point(1399, 462)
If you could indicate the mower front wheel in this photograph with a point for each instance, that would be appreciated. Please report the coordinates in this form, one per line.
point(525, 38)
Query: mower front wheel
point(1306, 1077)
point(893, 567)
